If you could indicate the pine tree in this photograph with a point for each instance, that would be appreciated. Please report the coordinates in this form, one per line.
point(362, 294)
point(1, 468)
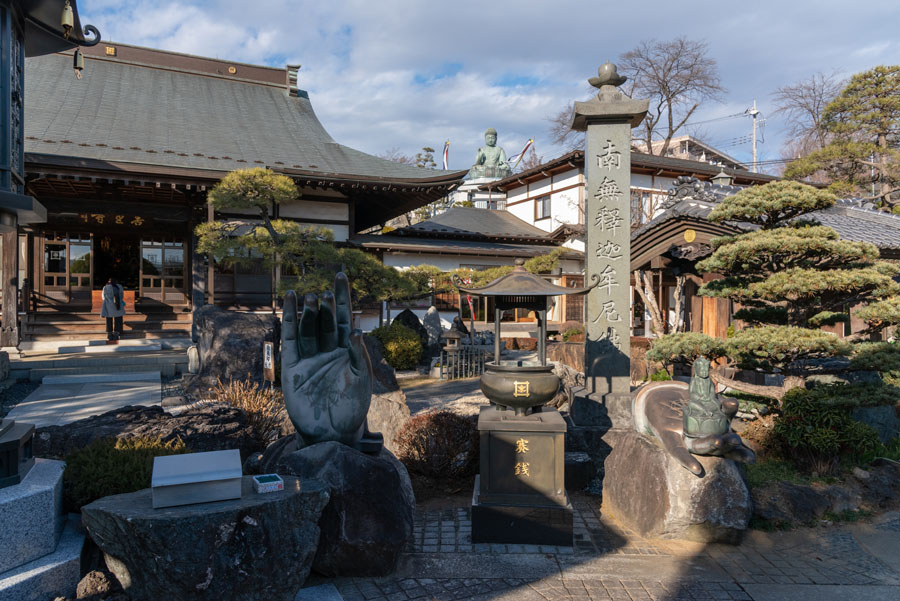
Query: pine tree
point(790, 276)
point(862, 125)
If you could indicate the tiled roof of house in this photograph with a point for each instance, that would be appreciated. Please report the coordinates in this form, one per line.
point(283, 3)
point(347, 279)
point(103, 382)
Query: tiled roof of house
point(639, 160)
point(693, 198)
point(461, 247)
point(165, 114)
point(463, 222)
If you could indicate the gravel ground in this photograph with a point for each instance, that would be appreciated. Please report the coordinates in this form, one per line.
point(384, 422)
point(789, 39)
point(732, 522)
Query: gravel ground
point(16, 393)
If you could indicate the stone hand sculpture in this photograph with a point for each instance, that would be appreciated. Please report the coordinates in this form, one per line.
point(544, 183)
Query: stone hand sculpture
point(689, 420)
point(326, 374)
point(707, 420)
point(490, 160)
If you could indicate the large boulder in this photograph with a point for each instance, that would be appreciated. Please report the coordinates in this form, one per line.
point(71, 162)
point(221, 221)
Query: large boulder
point(409, 319)
point(231, 344)
point(258, 547)
point(369, 518)
point(387, 414)
point(207, 427)
point(432, 324)
point(385, 376)
point(882, 419)
point(650, 492)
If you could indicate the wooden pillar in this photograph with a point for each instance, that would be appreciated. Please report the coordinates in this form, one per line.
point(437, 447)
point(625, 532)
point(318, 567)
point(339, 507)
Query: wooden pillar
point(9, 332)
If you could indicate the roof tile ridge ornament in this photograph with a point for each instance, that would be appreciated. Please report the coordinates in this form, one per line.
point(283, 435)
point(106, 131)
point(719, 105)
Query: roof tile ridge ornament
point(686, 186)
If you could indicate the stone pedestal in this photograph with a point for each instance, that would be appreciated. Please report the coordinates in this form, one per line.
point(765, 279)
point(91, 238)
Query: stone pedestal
point(520, 495)
point(258, 547)
point(35, 562)
point(647, 490)
point(611, 410)
point(15, 451)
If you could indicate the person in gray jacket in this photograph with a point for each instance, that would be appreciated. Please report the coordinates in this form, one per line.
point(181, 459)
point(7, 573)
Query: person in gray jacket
point(113, 310)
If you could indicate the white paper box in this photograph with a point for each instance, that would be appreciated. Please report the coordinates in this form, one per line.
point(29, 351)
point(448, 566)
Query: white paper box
point(196, 478)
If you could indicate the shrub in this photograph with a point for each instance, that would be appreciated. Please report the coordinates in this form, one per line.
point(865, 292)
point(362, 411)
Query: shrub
point(110, 466)
point(572, 332)
point(660, 376)
point(439, 444)
point(816, 430)
point(402, 346)
point(264, 408)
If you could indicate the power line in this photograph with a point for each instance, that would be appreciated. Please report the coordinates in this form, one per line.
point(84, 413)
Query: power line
point(715, 119)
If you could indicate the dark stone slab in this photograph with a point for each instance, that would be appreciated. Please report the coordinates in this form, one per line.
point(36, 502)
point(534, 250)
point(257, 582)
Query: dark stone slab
point(369, 519)
point(521, 524)
point(258, 547)
point(16, 457)
point(231, 344)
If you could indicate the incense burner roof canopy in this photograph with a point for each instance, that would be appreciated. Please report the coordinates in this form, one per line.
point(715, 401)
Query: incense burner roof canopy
point(521, 282)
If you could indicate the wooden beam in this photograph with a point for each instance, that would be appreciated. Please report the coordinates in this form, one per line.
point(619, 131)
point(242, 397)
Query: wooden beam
point(9, 331)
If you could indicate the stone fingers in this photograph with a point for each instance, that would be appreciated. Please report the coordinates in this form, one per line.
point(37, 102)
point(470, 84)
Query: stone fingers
point(309, 344)
point(343, 309)
point(290, 351)
point(328, 336)
point(359, 357)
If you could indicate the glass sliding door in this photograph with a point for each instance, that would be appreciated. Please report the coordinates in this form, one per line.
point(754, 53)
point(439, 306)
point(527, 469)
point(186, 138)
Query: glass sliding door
point(162, 270)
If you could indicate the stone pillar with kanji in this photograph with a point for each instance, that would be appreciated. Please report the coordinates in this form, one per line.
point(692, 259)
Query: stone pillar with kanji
point(607, 120)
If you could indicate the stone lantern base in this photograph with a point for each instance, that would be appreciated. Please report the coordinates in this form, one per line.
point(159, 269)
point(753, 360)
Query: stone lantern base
point(520, 495)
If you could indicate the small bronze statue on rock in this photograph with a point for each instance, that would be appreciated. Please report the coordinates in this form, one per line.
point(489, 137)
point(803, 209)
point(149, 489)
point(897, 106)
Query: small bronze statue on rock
point(707, 420)
point(690, 420)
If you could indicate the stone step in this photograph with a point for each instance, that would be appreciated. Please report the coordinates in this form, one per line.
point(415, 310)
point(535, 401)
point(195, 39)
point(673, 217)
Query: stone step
point(38, 367)
point(119, 376)
point(100, 326)
point(50, 576)
point(135, 344)
point(101, 334)
point(44, 318)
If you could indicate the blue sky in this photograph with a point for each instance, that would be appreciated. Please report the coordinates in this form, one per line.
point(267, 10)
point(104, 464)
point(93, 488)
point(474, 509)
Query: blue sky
point(407, 74)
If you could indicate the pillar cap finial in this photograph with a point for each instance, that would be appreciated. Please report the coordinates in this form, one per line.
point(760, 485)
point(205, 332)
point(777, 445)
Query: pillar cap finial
point(607, 75)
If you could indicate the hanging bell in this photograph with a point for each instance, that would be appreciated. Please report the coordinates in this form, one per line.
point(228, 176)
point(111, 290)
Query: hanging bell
point(78, 63)
point(68, 19)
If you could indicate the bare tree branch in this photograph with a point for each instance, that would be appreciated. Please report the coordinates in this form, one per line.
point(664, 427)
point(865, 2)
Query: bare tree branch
point(677, 76)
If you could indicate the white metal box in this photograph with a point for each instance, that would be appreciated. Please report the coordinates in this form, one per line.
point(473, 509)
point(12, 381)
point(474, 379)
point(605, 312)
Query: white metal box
point(196, 478)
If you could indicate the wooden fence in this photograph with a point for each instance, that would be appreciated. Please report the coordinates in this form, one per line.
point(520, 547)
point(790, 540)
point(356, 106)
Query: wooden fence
point(463, 362)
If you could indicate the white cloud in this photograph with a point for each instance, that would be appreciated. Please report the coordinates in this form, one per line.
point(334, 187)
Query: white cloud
point(364, 62)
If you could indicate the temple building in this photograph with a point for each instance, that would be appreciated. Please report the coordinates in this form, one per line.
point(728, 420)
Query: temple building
point(122, 160)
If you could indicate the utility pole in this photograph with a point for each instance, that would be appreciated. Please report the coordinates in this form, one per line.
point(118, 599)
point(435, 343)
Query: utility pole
point(753, 112)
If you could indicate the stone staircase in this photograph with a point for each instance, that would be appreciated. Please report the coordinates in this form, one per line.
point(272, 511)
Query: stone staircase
point(36, 365)
point(165, 322)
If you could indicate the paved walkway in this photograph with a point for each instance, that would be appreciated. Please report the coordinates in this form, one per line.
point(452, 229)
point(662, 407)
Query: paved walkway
point(64, 399)
point(846, 563)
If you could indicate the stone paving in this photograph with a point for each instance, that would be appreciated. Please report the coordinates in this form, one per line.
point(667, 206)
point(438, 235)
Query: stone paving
point(610, 563)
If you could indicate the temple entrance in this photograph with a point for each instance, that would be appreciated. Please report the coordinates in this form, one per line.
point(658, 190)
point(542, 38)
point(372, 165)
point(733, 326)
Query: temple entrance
point(76, 265)
point(116, 258)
